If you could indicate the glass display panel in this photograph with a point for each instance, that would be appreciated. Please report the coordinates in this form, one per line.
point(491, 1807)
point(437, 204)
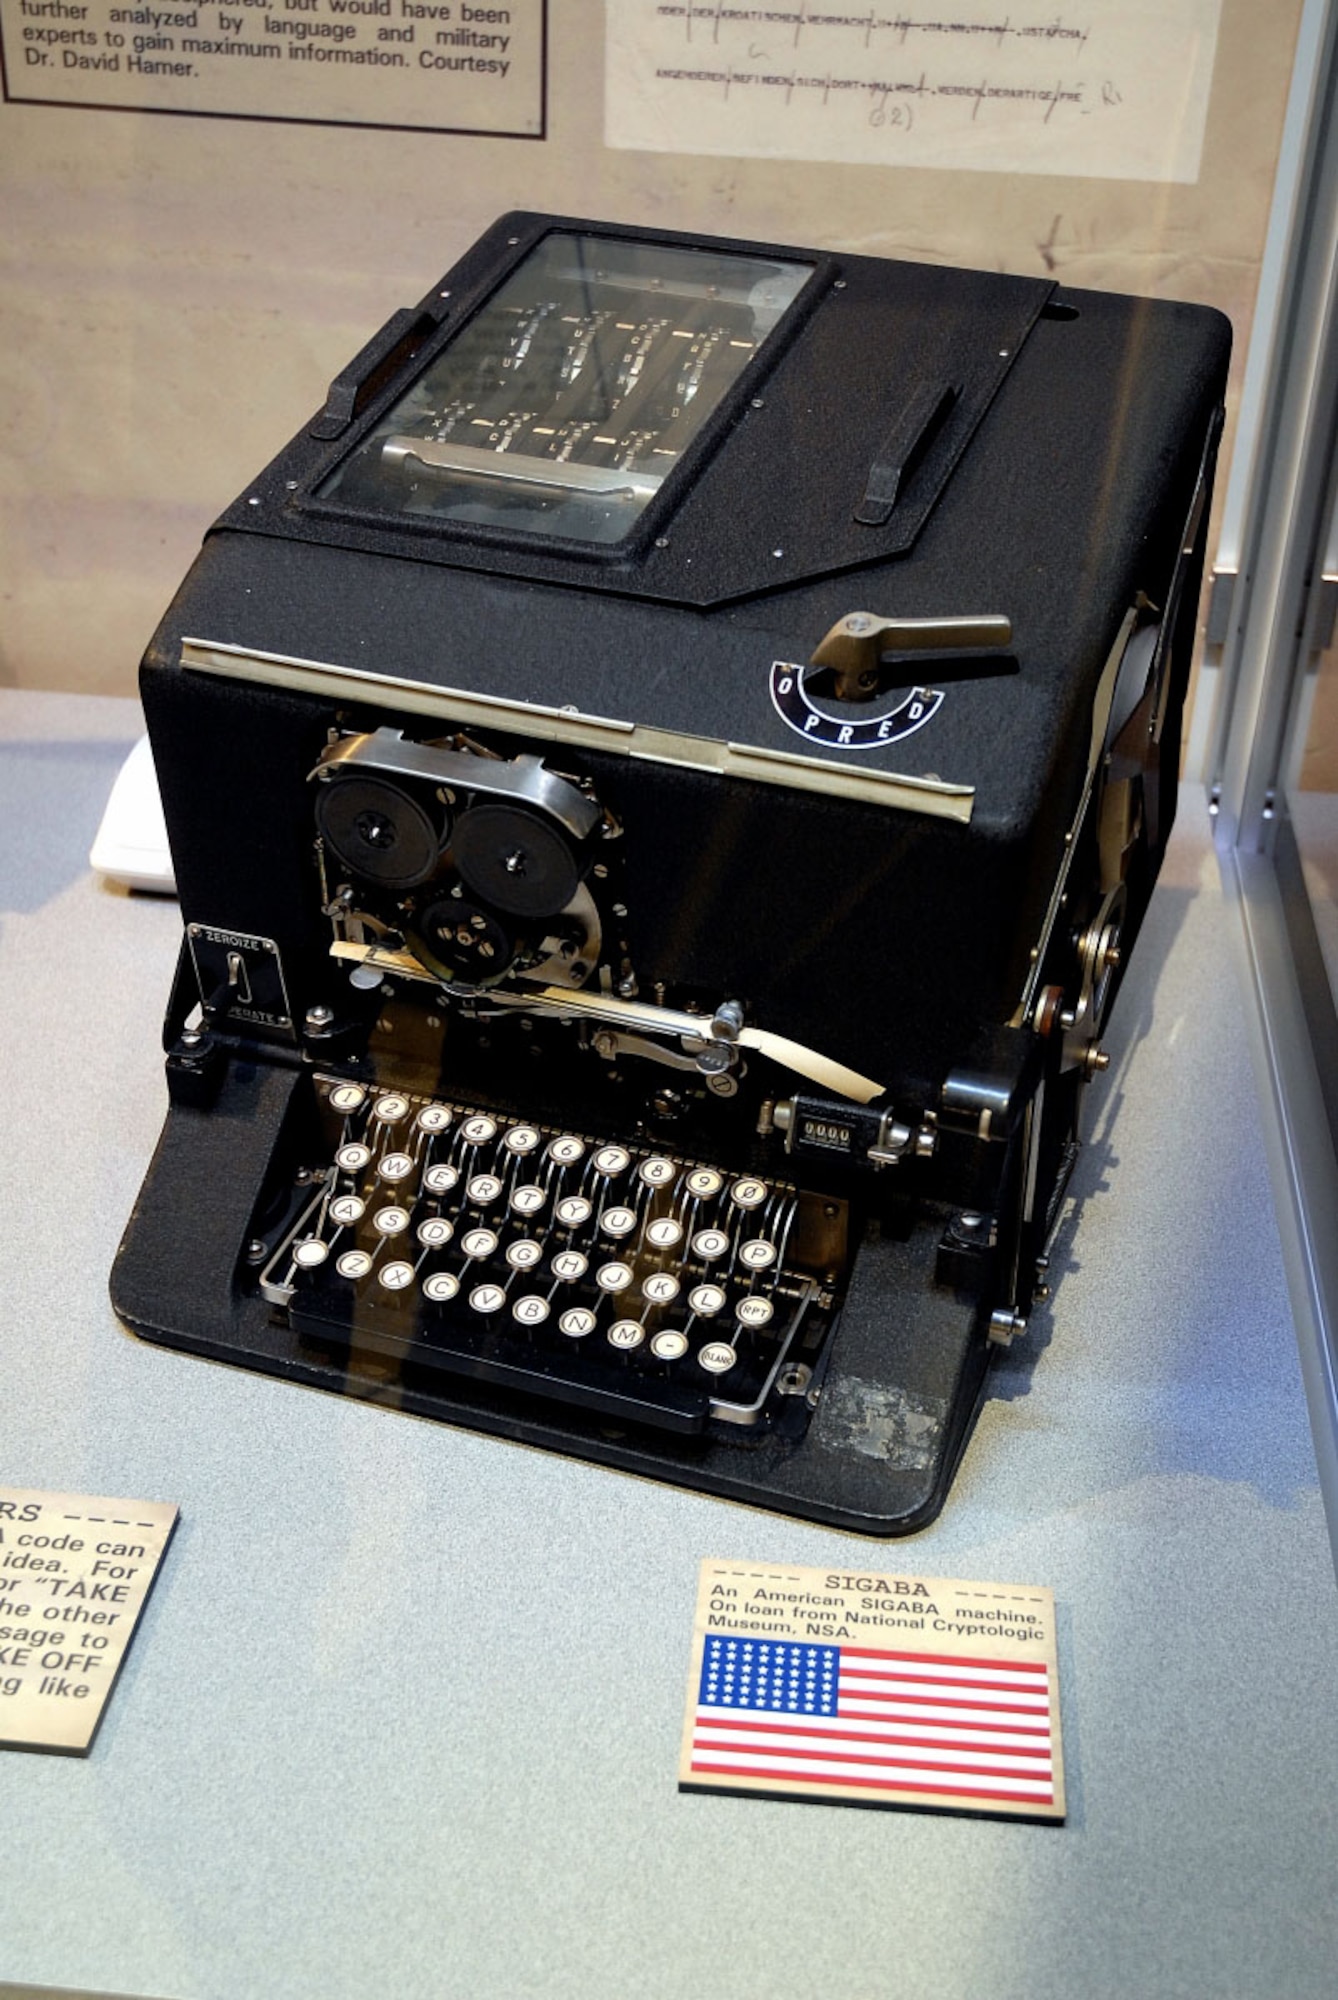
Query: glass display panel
point(564, 404)
point(1311, 796)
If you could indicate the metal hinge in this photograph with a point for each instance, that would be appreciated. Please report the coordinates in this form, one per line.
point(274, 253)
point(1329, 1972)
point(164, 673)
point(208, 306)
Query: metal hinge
point(1323, 612)
point(1221, 594)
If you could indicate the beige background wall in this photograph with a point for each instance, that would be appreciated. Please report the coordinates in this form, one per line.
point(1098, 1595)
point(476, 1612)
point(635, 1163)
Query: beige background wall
point(175, 291)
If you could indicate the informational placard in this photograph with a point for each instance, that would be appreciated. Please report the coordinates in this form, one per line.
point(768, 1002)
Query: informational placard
point(431, 65)
point(1119, 92)
point(74, 1576)
point(872, 1688)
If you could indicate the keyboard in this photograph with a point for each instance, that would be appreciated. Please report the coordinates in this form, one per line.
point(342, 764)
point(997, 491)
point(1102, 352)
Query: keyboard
point(632, 1282)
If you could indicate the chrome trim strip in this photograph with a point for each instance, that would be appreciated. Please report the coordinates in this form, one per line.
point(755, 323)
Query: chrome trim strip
point(593, 732)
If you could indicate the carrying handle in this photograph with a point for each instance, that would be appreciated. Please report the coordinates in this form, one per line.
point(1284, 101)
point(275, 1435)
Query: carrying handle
point(370, 370)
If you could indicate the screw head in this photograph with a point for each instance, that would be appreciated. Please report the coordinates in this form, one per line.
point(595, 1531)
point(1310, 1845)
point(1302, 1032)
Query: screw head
point(714, 1060)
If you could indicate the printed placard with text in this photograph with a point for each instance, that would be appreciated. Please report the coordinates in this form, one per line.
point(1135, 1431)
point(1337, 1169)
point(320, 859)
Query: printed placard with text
point(867, 1688)
point(1110, 92)
point(425, 65)
point(74, 1576)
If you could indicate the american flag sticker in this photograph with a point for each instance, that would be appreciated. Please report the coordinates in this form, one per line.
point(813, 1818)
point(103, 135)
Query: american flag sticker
point(874, 1690)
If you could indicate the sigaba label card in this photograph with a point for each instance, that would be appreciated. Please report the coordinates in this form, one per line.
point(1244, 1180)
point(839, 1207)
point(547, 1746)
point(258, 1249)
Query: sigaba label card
point(870, 1689)
point(75, 1572)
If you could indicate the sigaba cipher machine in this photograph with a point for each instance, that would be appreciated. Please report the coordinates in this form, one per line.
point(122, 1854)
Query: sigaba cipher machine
point(663, 775)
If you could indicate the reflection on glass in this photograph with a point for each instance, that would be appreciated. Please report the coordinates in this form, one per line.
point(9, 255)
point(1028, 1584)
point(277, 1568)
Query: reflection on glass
point(567, 400)
point(1312, 800)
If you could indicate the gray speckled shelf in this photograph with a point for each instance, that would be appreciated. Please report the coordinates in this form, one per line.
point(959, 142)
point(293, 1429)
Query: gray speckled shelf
point(403, 1713)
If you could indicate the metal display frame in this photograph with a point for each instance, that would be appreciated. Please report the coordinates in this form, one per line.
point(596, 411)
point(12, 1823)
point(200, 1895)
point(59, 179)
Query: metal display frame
point(1271, 611)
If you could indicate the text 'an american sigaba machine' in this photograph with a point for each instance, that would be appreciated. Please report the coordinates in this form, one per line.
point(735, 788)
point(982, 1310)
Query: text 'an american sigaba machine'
point(663, 774)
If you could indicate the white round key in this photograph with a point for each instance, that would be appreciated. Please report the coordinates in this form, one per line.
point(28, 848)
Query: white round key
point(434, 1230)
point(570, 1265)
point(484, 1188)
point(717, 1357)
point(577, 1321)
point(664, 1232)
point(311, 1253)
point(391, 1108)
point(566, 1150)
point(487, 1298)
point(440, 1287)
point(353, 1264)
point(753, 1311)
point(704, 1182)
point(669, 1346)
point(346, 1209)
point(521, 1139)
point(710, 1244)
point(353, 1158)
point(617, 1221)
point(396, 1276)
point(573, 1210)
point(528, 1200)
point(661, 1288)
point(479, 1130)
point(613, 1277)
point(478, 1243)
point(707, 1300)
point(758, 1254)
point(433, 1118)
point(626, 1333)
point(347, 1097)
point(531, 1310)
point(524, 1254)
point(612, 1160)
point(440, 1180)
point(657, 1172)
point(391, 1221)
point(748, 1194)
point(395, 1167)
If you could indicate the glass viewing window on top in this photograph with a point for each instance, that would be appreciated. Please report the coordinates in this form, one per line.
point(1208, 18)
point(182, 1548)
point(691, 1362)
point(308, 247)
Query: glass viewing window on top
point(568, 399)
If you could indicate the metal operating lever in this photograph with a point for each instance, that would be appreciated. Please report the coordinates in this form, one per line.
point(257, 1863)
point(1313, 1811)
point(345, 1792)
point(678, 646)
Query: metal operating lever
point(856, 643)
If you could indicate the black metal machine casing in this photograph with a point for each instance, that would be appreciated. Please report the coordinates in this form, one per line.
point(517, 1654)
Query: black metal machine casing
point(859, 734)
